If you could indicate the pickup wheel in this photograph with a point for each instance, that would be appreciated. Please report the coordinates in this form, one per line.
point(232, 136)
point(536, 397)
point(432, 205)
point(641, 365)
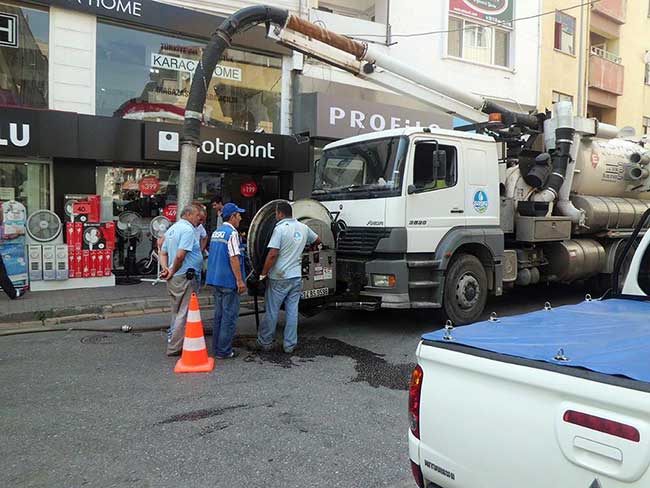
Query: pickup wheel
point(466, 290)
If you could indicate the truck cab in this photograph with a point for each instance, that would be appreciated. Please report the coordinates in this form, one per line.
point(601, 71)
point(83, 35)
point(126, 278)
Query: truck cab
point(417, 211)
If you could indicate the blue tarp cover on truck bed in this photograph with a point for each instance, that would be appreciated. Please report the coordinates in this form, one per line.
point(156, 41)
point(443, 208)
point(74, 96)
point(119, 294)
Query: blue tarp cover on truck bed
point(610, 336)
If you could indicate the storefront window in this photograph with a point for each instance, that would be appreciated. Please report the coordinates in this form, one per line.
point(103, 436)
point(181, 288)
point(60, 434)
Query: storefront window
point(27, 183)
point(147, 76)
point(124, 187)
point(24, 35)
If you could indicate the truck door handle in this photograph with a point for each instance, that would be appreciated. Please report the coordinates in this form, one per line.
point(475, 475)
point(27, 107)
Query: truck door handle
point(456, 211)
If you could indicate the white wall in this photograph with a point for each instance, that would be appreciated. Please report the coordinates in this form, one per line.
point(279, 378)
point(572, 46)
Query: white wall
point(230, 6)
point(72, 61)
point(429, 53)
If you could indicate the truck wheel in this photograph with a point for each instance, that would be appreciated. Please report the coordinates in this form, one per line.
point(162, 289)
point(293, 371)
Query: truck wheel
point(465, 291)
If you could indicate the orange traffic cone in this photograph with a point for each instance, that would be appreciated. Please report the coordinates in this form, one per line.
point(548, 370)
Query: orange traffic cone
point(194, 358)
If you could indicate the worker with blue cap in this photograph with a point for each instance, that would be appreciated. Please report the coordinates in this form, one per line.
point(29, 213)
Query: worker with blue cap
point(226, 274)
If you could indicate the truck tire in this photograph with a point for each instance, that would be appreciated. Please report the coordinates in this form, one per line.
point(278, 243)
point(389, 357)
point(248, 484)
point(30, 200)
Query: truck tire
point(466, 290)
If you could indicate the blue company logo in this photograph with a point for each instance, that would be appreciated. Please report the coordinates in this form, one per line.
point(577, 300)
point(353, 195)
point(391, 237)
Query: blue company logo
point(480, 201)
point(297, 236)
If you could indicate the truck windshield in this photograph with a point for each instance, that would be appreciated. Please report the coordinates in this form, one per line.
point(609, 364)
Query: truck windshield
point(369, 168)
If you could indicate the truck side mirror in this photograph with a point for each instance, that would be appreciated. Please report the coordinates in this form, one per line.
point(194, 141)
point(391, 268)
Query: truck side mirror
point(411, 189)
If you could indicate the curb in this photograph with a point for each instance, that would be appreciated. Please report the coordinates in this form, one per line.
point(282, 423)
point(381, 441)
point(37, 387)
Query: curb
point(54, 317)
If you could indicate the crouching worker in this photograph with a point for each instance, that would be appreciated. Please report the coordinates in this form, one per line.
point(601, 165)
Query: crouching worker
point(226, 274)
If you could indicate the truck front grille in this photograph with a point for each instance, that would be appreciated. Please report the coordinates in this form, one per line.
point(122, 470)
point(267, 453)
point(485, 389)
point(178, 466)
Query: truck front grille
point(361, 241)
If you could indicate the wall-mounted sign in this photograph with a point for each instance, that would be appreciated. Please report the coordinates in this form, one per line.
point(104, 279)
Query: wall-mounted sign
point(228, 147)
point(130, 8)
point(248, 189)
point(162, 61)
point(149, 185)
point(338, 117)
point(15, 134)
point(8, 30)
point(496, 11)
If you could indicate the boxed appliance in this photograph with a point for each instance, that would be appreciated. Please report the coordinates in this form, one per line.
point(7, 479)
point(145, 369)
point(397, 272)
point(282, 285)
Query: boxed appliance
point(87, 211)
point(108, 262)
point(35, 256)
point(49, 262)
point(85, 264)
point(62, 269)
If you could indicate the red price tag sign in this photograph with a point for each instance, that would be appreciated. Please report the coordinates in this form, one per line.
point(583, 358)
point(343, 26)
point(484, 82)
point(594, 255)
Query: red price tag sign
point(149, 185)
point(248, 189)
point(170, 212)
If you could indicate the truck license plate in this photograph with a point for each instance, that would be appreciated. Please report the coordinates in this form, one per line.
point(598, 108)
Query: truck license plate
point(316, 293)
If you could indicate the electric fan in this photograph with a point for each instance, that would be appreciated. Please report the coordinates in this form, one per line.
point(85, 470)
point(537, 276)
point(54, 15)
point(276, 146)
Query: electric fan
point(129, 228)
point(157, 227)
point(44, 227)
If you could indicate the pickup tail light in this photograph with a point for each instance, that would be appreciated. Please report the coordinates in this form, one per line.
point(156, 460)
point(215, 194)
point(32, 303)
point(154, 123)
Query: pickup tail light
point(417, 474)
point(415, 389)
point(600, 424)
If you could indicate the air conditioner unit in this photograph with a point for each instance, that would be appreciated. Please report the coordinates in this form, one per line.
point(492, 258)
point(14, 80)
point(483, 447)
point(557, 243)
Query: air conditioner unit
point(49, 262)
point(35, 256)
point(62, 269)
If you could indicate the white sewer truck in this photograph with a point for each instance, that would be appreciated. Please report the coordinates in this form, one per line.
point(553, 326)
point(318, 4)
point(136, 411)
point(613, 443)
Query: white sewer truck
point(441, 219)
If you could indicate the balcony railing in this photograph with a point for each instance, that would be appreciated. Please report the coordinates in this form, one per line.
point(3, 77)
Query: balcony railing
point(601, 53)
point(604, 73)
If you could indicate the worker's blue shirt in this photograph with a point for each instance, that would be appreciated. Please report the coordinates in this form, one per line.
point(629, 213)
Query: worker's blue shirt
point(182, 236)
point(290, 238)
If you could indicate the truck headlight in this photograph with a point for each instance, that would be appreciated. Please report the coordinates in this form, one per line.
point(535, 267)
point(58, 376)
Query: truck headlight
point(383, 280)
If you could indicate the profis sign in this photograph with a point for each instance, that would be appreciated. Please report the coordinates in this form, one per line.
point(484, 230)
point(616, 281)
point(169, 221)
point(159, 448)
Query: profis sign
point(496, 11)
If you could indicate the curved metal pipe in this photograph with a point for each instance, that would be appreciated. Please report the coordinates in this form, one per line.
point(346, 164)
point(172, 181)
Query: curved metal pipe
point(219, 42)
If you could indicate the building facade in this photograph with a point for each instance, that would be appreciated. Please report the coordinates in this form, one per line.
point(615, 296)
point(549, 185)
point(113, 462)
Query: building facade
point(466, 43)
point(598, 57)
point(92, 95)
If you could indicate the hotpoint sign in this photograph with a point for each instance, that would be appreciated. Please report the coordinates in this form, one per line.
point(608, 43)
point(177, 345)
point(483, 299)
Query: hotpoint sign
point(219, 146)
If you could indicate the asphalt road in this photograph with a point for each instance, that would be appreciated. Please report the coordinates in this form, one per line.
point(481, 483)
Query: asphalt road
point(103, 409)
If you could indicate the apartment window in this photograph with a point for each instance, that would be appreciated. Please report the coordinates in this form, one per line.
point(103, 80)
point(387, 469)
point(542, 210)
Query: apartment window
point(646, 125)
point(24, 37)
point(562, 97)
point(478, 42)
point(565, 33)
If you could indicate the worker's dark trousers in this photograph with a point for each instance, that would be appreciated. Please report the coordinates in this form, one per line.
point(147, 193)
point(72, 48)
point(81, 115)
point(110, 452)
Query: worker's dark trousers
point(5, 282)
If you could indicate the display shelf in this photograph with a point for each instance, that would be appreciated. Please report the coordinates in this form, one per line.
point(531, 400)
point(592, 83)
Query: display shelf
point(72, 284)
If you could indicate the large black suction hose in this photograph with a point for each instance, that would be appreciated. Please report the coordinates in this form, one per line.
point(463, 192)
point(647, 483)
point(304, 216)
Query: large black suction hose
point(561, 158)
point(219, 42)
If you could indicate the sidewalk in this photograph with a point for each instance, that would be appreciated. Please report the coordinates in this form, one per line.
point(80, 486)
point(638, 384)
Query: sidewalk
point(58, 307)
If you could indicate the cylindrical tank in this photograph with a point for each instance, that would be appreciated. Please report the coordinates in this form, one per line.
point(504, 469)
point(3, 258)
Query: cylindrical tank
point(574, 260)
point(601, 166)
point(609, 212)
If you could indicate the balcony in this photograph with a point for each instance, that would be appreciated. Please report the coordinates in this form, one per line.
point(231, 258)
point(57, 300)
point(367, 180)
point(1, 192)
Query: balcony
point(606, 77)
point(612, 9)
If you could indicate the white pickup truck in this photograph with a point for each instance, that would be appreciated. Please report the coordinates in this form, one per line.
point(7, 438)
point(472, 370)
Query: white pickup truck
point(554, 398)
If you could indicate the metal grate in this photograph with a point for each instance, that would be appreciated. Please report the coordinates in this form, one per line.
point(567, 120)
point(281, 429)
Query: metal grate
point(361, 241)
